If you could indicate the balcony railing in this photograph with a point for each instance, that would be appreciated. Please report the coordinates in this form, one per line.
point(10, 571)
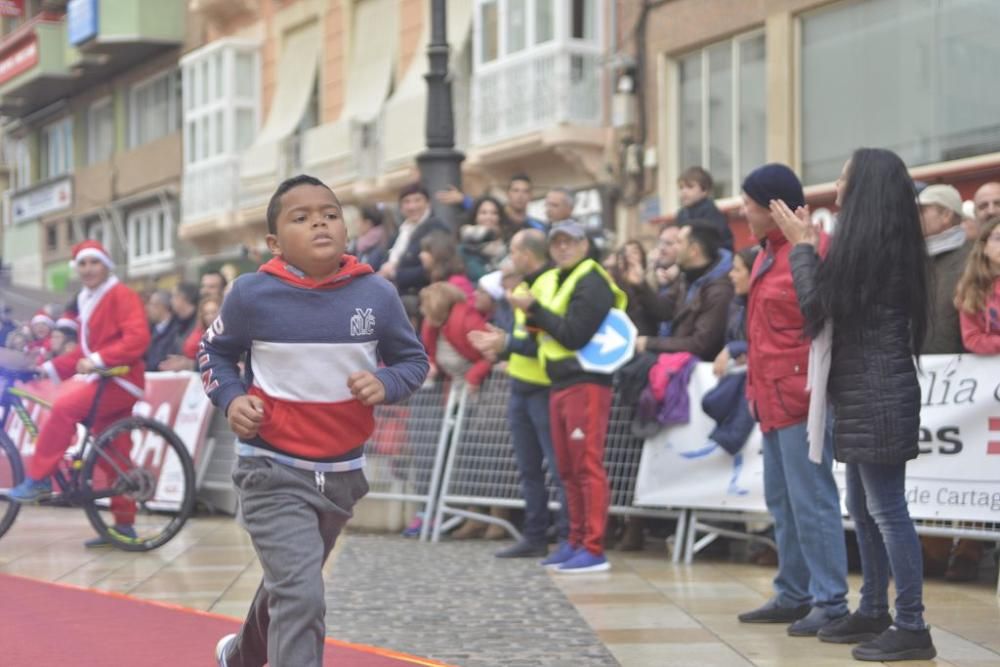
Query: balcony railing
point(551, 85)
point(211, 188)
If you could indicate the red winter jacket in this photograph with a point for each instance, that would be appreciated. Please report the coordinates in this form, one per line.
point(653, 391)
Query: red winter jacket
point(778, 350)
point(981, 332)
point(462, 319)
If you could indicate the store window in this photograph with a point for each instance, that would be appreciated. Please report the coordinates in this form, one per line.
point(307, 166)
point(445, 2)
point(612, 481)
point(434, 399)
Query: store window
point(722, 103)
point(908, 75)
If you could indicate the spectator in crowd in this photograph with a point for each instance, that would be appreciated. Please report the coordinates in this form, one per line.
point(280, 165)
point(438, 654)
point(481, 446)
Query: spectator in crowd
point(65, 335)
point(113, 333)
point(491, 300)
point(162, 326)
point(515, 210)
point(442, 263)
point(484, 243)
point(528, 407)
point(403, 266)
point(978, 297)
point(735, 349)
point(629, 272)
point(449, 318)
point(941, 217)
point(665, 271)
point(697, 308)
point(695, 186)
point(212, 286)
point(7, 325)
point(17, 340)
point(574, 299)
point(559, 204)
point(986, 206)
point(40, 342)
point(866, 307)
point(208, 310)
point(810, 588)
point(371, 246)
point(184, 305)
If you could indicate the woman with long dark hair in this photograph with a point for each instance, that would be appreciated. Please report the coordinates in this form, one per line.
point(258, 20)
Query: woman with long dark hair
point(866, 307)
point(485, 242)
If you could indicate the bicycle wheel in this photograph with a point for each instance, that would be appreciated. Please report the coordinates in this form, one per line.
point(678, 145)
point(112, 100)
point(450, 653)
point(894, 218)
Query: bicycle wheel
point(11, 474)
point(138, 473)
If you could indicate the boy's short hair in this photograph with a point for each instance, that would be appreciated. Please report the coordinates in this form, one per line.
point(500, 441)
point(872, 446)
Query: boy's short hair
point(416, 188)
point(274, 206)
point(699, 176)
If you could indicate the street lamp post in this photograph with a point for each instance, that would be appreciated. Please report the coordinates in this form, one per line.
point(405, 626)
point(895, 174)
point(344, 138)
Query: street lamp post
point(440, 164)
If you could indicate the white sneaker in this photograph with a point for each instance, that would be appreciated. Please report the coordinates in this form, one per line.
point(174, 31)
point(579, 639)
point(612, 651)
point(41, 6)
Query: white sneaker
point(220, 649)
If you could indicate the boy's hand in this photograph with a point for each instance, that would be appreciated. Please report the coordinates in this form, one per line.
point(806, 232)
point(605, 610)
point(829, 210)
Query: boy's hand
point(366, 388)
point(245, 415)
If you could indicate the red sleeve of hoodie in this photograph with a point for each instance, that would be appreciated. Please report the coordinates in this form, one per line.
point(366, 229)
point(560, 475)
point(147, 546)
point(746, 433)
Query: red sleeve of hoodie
point(976, 336)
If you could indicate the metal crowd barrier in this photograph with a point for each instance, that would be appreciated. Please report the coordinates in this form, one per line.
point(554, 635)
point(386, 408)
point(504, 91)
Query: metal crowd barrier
point(481, 470)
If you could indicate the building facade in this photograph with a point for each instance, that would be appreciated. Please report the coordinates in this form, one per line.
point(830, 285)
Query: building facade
point(336, 89)
point(90, 95)
point(730, 85)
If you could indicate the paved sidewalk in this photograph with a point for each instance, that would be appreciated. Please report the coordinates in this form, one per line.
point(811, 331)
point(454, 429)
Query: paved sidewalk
point(456, 603)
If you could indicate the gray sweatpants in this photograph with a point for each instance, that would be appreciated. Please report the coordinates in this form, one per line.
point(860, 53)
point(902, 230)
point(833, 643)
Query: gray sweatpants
point(293, 524)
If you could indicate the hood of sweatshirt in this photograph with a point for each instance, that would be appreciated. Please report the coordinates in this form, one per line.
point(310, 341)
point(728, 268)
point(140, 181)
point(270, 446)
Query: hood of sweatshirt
point(350, 268)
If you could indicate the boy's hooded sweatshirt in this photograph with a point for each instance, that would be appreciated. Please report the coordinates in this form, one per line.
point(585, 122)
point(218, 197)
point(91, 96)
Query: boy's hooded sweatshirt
point(304, 339)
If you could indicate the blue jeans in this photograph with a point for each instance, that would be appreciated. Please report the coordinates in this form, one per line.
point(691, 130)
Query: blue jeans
point(528, 415)
point(887, 541)
point(805, 503)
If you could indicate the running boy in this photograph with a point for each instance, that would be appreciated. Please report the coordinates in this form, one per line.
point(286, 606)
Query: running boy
point(316, 323)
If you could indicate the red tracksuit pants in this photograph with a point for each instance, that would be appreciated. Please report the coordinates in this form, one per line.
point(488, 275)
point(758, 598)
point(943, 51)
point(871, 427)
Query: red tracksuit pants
point(579, 423)
point(71, 406)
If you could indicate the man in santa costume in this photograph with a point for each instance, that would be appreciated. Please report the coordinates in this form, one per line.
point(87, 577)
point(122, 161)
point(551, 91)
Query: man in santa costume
point(112, 332)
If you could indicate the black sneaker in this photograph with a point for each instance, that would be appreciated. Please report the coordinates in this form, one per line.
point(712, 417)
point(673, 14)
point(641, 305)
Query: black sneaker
point(854, 629)
point(524, 549)
point(897, 644)
point(772, 613)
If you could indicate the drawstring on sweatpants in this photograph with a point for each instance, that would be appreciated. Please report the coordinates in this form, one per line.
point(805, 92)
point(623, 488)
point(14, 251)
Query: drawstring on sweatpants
point(320, 481)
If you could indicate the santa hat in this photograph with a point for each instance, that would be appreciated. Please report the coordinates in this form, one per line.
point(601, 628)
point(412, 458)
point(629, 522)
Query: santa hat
point(67, 322)
point(42, 317)
point(91, 248)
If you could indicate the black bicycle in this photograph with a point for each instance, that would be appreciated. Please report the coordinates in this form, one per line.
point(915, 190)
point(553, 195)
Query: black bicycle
point(134, 466)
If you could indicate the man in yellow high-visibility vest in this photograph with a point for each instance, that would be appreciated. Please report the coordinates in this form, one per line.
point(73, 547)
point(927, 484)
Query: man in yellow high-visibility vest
point(568, 306)
point(528, 408)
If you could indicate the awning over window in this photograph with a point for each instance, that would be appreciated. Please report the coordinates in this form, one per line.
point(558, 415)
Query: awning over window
point(374, 43)
point(406, 111)
point(296, 77)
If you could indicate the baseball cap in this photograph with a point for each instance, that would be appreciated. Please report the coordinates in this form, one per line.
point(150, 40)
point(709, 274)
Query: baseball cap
point(571, 228)
point(945, 196)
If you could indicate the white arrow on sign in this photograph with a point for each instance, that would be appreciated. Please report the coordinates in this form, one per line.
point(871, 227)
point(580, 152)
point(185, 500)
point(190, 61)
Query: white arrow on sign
point(609, 340)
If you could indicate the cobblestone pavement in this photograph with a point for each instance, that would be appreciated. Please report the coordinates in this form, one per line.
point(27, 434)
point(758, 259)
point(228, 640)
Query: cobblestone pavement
point(456, 603)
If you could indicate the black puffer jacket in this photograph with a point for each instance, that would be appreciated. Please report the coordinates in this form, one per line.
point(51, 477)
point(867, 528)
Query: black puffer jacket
point(873, 380)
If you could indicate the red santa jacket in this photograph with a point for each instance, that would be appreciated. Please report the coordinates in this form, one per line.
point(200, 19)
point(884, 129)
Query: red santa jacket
point(113, 332)
point(462, 319)
point(778, 350)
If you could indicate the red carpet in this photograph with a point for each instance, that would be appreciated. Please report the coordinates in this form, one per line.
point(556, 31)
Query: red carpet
point(44, 624)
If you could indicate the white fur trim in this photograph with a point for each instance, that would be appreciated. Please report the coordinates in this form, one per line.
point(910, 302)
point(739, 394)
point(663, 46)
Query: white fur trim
point(50, 370)
point(96, 358)
point(96, 254)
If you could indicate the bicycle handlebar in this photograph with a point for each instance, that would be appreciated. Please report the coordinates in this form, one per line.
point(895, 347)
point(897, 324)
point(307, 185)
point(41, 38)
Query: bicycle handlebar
point(113, 372)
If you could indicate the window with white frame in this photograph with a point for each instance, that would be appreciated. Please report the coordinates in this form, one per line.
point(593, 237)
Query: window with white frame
point(908, 75)
point(150, 236)
point(154, 108)
point(508, 27)
point(722, 110)
point(100, 131)
point(18, 156)
point(97, 230)
point(56, 148)
point(221, 102)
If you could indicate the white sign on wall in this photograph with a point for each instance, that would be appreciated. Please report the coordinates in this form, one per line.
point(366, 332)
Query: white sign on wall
point(50, 198)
